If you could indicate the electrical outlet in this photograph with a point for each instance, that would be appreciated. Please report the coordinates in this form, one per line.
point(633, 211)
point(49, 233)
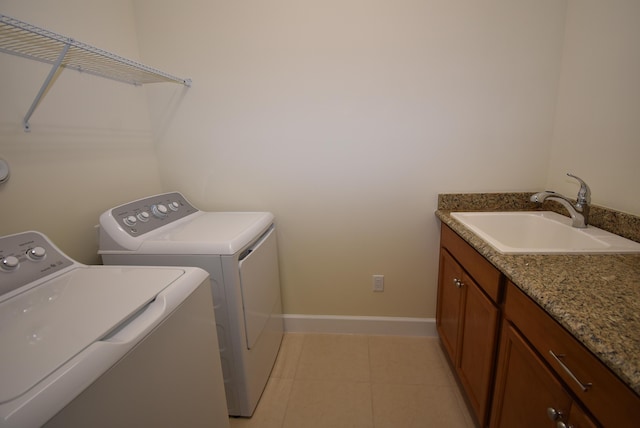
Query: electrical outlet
point(378, 283)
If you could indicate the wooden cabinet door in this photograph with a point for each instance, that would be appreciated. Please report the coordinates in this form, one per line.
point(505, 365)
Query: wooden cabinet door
point(478, 348)
point(578, 418)
point(525, 388)
point(450, 304)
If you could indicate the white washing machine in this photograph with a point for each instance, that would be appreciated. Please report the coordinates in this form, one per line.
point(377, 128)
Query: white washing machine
point(104, 346)
point(239, 251)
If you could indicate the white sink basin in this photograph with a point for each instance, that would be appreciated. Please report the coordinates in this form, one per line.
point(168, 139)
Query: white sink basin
point(542, 232)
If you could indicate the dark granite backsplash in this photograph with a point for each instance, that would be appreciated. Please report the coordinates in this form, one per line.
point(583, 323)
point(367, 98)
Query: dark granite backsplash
point(486, 202)
point(617, 222)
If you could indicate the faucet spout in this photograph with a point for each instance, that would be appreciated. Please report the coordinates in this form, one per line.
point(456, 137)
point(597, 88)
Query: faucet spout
point(579, 211)
point(577, 217)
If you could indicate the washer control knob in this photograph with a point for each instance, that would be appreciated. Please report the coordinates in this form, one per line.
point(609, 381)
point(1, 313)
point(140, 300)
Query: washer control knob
point(130, 220)
point(174, 206)
point(144, 216)
point(159, 211)
point(36, 253)
point(9, 263)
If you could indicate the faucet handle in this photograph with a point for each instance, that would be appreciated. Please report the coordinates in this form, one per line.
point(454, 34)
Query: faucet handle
point(584, 194)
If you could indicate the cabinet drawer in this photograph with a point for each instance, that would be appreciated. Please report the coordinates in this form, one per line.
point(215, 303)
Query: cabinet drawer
point(483, 272)
point(609, 399)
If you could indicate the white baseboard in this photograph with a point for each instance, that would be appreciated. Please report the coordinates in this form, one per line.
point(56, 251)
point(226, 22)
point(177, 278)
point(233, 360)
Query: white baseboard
point(337, 324)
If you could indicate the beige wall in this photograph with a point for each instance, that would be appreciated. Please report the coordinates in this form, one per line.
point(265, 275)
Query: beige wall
point(346, 118)
point(90, 147)
point(597, 128)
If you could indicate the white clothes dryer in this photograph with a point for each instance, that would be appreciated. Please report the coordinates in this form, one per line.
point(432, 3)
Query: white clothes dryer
point(239, 251)
point(104, 346)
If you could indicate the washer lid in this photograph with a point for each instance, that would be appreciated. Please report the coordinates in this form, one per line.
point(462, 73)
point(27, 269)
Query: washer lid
point(223, 233)
point(48, 325)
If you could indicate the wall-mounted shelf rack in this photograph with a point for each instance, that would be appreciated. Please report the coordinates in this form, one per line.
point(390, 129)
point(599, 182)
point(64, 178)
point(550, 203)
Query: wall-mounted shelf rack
point(28, 41)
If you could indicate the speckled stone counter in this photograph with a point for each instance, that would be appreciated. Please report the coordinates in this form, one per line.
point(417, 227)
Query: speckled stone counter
point(595, 297)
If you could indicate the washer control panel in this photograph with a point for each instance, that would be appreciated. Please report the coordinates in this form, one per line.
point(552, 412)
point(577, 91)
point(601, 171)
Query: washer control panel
point(145, 215)
point(26, 257)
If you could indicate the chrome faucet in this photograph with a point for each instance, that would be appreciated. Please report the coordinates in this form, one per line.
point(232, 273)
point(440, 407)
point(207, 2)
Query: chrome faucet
point(579, 210)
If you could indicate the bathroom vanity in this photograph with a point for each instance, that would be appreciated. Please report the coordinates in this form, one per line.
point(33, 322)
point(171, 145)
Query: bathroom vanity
point(540, 340)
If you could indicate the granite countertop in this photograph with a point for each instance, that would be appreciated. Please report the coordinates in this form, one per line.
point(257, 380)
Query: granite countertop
point(596, 297)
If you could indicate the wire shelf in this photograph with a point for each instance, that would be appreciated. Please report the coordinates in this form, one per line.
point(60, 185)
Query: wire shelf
point(28, 41)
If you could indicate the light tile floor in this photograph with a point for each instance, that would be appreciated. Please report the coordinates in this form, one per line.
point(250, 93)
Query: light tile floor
point(327, 381)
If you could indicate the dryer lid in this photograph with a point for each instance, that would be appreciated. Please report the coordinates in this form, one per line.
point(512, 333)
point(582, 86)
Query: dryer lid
point(49, 324)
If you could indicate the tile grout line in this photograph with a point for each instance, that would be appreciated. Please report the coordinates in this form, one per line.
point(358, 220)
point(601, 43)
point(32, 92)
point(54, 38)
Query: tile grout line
point(373, 419)
point(293, 380)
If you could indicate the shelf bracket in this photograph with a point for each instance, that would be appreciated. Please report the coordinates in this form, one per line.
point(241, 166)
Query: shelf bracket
point(45, 86)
